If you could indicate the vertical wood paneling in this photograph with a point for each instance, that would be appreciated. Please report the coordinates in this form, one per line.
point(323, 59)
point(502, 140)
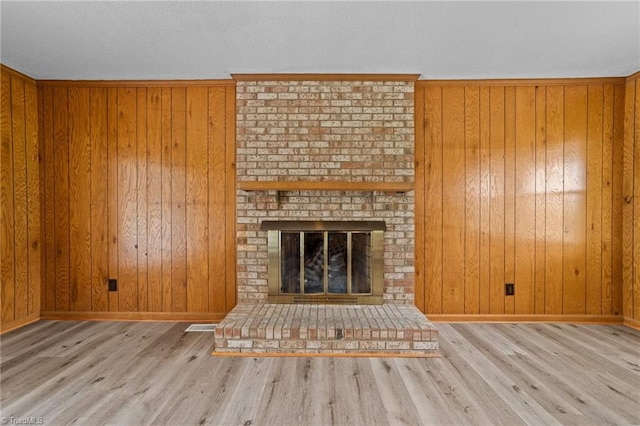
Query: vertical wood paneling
point(7, 199)
point(21, 250)
point(127, 201)
point(574, 202)
point(433, 200)
point(576, 188)
point(99, 192)
point(217, 201)
point(496, 239)
point(49, 282)
point(178, 200)
point(472, 200)
point(142, 202)
point(453, 199)
point(154, 198)
point(509, 194)
point(607, 200)
point(230, 194)
point(593, 279)
point(630, 210)
point(112, 191)
point(34, 233)
point(525, 199)
point(530, 198)
point(147, 198)
point(61, 194)
point(485, 200)
point(167, 203)
point(561, 152)
point(20, 193)
point(42, 190)
point(80, 199)
point(636, 203)
point(197, 199)
point(617, 221)
point(540, 200)
point(554, 219)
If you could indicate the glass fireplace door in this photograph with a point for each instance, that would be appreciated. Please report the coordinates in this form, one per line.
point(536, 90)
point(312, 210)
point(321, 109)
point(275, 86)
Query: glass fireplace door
point(331, 265)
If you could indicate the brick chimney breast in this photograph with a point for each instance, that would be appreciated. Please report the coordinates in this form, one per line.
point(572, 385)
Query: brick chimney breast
point(325, 131)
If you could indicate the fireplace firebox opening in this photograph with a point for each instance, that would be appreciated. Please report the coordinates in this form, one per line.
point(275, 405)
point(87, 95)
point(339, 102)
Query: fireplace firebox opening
point(325, 261)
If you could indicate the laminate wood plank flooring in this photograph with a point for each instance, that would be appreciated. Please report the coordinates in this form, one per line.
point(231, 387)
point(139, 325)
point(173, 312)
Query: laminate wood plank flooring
point(128, 373)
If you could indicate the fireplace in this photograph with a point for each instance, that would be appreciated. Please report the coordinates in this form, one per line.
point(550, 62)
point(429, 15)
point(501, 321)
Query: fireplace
point(325, 214)
point(325, 150)
point(325, 261)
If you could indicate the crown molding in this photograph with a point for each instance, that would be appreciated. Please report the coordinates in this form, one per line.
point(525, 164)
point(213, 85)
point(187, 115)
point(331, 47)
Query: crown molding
point(6, 69)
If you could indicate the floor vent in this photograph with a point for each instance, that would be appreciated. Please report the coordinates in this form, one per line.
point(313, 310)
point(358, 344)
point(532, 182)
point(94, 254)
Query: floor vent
point(202, 327)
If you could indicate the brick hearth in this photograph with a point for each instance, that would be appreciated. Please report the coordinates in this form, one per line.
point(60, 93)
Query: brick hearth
point(389, 329)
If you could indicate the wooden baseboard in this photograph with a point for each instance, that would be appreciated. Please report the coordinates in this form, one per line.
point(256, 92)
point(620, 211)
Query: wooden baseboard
point(134, 316)
point(631, 322)
point(582, 319)
point(12, 325)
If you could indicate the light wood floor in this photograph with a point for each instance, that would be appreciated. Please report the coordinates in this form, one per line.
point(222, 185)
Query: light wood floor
point(154, 373)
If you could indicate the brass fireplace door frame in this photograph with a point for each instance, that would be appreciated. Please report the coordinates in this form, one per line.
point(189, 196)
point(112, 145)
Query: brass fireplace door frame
point(375, 228)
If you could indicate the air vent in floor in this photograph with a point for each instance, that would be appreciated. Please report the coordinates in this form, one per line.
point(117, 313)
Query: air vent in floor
point(202, 327)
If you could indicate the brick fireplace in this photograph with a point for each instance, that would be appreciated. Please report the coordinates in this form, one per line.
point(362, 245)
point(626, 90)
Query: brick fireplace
point(324, 166)
point(330, 149)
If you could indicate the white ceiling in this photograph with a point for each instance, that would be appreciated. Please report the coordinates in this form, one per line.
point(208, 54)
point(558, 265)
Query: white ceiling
point(97, 40)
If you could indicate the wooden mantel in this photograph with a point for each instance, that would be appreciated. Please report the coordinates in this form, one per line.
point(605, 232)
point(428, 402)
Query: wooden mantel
point(324, 186)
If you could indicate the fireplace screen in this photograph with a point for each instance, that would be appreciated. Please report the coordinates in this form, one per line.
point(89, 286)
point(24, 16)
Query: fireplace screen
point(325, 262)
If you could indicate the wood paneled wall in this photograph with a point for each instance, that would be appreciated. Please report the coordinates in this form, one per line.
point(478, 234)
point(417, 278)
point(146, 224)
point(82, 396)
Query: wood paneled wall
point(631, 202)
point(519, 182)
point(21, 257)
point(535, 183)
point(139, 186)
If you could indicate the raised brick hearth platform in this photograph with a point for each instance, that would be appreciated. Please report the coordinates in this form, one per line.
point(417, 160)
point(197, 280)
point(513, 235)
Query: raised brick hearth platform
point(389, 329)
